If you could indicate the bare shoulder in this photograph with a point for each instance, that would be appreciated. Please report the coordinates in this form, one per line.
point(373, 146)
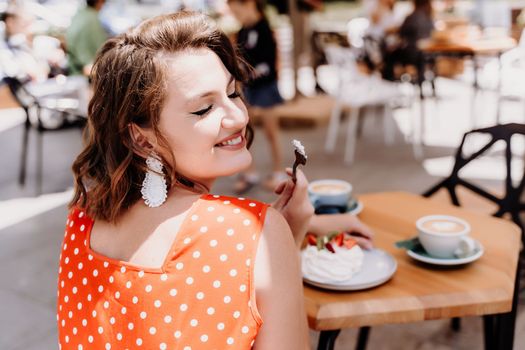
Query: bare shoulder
point(276, 227)
point(276, 254)
point(102, 238)
point(276, 257)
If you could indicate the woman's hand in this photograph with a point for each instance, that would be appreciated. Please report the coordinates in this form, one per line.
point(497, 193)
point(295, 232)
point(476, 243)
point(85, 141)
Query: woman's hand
point(324, 224)
point(294, 205)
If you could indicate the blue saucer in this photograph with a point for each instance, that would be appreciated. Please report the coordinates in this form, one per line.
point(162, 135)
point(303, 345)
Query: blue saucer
point(353, 207)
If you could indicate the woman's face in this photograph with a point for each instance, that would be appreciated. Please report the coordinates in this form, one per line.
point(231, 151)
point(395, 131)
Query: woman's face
point(204, 119)
point(19, 23)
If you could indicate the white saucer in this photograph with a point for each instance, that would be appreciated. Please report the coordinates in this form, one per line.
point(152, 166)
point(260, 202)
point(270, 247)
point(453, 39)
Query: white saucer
point(358, 209)
point(478, 252)
point(378, 268)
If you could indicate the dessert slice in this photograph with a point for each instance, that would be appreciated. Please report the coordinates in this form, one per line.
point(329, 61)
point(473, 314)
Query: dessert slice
point(334, 258)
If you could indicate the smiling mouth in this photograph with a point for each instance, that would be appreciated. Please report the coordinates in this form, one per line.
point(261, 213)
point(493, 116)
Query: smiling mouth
point(231, 142)
point(234, 140)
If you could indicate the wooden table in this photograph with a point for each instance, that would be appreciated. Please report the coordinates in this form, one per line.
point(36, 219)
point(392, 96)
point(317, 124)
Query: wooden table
point(470, 49)
point(420, 292)
point(491, 46)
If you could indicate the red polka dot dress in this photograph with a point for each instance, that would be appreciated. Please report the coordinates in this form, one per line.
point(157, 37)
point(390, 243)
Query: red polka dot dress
point(202, 297)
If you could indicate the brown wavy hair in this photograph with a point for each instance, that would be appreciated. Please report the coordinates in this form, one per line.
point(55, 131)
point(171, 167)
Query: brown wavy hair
point(129, 78)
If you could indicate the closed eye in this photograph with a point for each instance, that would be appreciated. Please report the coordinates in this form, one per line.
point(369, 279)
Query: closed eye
point(203, 111)
point(235, 94)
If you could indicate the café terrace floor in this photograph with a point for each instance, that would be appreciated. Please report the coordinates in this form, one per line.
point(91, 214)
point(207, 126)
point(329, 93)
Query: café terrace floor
point(31, 227)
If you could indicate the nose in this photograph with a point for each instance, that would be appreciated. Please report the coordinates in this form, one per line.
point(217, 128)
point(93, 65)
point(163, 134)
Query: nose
point(235, 115)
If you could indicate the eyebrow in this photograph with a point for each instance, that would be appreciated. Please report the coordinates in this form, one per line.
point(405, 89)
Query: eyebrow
point(195, 98)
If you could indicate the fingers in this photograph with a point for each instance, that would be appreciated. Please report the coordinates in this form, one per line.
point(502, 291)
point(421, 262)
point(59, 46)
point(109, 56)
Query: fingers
point(288, 190)
point(363, 235)
point(280, 187)
point(352, 224)
point(302, 182)
point(363, 230)
point(284, 195)
point(300, 190)
point(363, 242)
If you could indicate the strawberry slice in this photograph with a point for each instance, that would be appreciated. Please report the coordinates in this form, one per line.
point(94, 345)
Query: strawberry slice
point(312, 239)
point(329, 247)
point(350, 243)
point(339, 239)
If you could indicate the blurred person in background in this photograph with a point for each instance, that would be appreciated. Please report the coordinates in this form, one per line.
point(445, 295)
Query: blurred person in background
point(17, 58)
point(381, 33)
point(302, 39)
point(84, 37)
point(416, 26)
point(35, 62)
point(257, 45)
point(383, 20)
point(303, 43)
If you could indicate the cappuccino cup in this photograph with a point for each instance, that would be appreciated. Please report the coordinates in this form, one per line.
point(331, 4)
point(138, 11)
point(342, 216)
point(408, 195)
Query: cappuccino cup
point(329, 193)
point(445, 236)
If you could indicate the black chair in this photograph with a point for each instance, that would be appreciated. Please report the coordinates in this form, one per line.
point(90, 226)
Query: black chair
point(511, 203)
point(33, 106)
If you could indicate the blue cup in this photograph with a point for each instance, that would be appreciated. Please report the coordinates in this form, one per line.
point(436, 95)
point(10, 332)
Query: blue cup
point(330, 194)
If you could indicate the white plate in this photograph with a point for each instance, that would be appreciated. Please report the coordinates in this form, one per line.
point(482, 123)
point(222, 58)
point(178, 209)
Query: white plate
point(478, 252)
point(378, 267)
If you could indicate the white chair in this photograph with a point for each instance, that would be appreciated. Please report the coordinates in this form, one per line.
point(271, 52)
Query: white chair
point(356, 30)
point(358, 92)
point(512, 69)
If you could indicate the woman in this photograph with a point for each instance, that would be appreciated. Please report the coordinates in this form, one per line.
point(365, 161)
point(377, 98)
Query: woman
point(17, 58)
point(418, 25)
point(177, 268)
point(383, 20)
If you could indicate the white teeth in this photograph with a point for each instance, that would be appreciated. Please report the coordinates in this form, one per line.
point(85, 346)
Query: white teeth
point(232, 142)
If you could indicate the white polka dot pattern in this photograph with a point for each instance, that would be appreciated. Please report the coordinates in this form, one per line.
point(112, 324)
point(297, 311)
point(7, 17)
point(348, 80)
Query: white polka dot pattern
point(105, 304)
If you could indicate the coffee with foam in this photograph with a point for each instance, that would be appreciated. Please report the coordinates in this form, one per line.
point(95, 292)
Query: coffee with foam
point(443, 235)
point(329, 188)
point(329, 192)
point(443, 226)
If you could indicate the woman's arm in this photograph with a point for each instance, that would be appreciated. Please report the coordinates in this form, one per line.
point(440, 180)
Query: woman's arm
point(294, 205)
point(324, 224)
point(279, 288)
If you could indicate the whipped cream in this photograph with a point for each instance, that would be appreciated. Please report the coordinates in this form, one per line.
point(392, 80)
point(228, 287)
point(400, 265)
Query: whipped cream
point(326, 267)
point(299, 147)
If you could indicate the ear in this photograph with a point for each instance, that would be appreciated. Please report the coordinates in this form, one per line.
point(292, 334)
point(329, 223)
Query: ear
point(143, 139)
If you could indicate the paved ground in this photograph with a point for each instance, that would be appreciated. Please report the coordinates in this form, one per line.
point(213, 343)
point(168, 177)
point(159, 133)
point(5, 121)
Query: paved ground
point(31, 227)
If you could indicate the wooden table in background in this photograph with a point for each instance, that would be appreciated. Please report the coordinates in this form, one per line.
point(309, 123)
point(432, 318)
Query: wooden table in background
point(420, 292)
point(470, 49)
point(493, 46)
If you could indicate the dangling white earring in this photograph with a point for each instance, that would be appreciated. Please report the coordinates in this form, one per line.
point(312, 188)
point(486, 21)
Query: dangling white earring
point(154, 190)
